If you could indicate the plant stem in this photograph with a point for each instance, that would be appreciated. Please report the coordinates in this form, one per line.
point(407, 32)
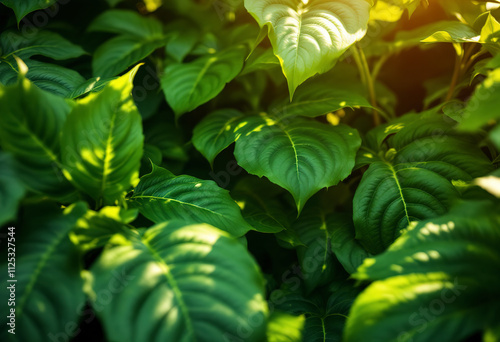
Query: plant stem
point(462, 64)
point(366, 78)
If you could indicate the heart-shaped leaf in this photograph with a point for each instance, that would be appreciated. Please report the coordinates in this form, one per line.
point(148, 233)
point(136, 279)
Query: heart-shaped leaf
point(180, 283)
point(299, 155)
point(309, 36)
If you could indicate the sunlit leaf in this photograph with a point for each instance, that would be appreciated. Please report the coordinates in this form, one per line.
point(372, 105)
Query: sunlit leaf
point(309, 36)
point(162, 196)
point(180, 283)
point(102, 142)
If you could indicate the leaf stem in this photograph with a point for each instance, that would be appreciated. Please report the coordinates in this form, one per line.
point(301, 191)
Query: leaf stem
point(462, 63)
point(366, 78)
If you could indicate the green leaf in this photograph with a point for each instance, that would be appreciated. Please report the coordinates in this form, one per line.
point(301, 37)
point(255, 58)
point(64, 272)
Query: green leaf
point(50, 77)
point(283, 327)
point(95, 229)
point(41, 43)
point(167, 137)
point(21, 8)
point(260, 59)
point(128, 23)
point(438, 281)
point(189, 85)
point(320, 98)
point(30, 126)
point(49, 286)
point(259, 206)
point(121, 52)
point(483, 105)
point(180, 283)
point(325, 311)
point(183, 36)
point(299, 155)
point(347, 250)
point(413, 181)
point(216, 131)
point(303, 46)
point(317, 263)
point(490, 35)
point(11, 188)
point(102, 142)
point(162, 196)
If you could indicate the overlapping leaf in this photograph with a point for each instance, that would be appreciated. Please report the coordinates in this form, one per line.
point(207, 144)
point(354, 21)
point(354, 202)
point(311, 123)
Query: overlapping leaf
point(21, 8)
point(102, 142)
point(30, 130)
point(413, 181)
point(309, 37)
point(162, 196)
point(181, 283)
point(445, 266)
point(49, 286)
point(11, 188)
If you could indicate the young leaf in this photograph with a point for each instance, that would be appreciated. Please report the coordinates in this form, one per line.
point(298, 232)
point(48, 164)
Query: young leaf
point(95, 229)
point(216, 131)
point(299, 155)
point(11, 188)
point(392, 10)
point(102, 142)
point(413, 181)
point(49, 286)
point(309, 36)
point(162, 196)
point(21, 8)
point(189, 85)
point(182, 283)
point(30, 126)
point(438, 281)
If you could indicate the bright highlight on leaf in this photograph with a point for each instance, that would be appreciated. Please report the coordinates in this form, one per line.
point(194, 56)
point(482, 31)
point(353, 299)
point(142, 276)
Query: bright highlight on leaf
point(309, 37)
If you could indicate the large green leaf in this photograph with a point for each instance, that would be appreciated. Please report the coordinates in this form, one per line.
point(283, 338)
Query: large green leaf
point(309, 36)
point(181, 283)
point(21, 8)
point(189, 85)
point(216, 132)
point(162, 196)
point(102, 142)
point(11, 188)
point(30, 127)
point(138, 38)
point(412, 181)
point(299, 155)
point(438, 281)
point(48, 283)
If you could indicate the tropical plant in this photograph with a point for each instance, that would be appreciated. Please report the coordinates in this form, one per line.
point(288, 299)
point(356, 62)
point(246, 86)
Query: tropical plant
point(257, 170)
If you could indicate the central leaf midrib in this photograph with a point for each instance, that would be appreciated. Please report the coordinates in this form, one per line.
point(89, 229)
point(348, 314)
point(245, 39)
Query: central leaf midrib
point(175, 287)
point(180, 202)
point(200, 75)
point(400, 189)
